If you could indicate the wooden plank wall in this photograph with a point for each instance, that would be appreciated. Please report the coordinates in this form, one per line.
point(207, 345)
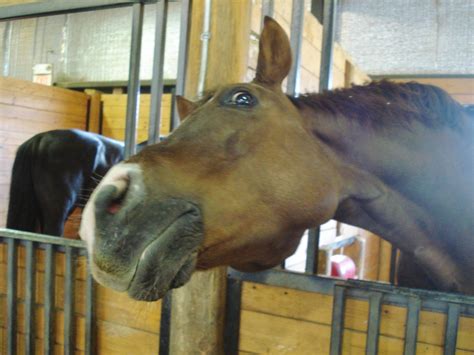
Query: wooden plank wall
point(276, 320)
point(114, 107)
point(123, 326)
point(27, 109)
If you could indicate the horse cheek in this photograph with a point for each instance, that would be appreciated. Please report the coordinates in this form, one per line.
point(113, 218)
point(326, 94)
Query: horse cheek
point(234, 147)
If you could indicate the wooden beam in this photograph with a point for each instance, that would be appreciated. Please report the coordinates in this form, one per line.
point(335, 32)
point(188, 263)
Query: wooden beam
point(197, 314)
point(93, 119)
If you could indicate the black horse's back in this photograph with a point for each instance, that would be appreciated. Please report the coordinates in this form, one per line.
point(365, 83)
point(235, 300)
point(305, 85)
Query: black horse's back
point(53, 173)
point(23, 211)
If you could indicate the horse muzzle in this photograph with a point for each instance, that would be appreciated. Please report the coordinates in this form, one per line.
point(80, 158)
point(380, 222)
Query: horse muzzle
point(127, 252)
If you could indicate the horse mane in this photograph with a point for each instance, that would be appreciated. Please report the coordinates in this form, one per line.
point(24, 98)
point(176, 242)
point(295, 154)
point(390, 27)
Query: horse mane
point(383, 103)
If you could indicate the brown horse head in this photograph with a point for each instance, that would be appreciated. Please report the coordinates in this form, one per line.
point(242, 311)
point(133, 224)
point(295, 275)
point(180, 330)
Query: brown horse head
point(249, 170)
point(226, 188)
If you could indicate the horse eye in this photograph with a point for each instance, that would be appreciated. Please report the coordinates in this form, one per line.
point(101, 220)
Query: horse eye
point(242, 98)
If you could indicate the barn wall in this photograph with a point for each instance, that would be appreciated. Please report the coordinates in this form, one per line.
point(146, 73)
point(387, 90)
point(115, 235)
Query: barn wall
point(114, 108)
point(27, 109)
point(123, 326)
point(297, 322)
point(345, 71)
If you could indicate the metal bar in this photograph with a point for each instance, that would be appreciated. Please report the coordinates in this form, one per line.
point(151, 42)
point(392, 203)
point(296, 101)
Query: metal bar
point(282, 265)
point(232, 316)
point(69, 276)
point(11, 296)
point(205, 38)
point(434, 301)
point(426, 295)
point(7, 41)
point(411, 332)
point(157, 76)
point(451, 332)
point(165, 325)
point(393, 264)
point(57, 7)
point(49, 278)
point(182, 55)
point(133, 89)
point(375, 304)
point(41, 238)
point(267, 10)
point(329, 26)
point(337, 324)
point(312, 251)
point(30, 288)
point(174, 110)
point(274, 277)
point(90, 332)
point(340, 242)
point(296, 40)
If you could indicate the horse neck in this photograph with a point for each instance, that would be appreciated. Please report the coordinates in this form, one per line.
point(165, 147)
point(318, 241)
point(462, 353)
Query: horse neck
point(410, 185)
point(424, 167)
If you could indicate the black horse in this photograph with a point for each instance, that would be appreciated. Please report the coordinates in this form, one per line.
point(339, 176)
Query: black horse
point(54, 172)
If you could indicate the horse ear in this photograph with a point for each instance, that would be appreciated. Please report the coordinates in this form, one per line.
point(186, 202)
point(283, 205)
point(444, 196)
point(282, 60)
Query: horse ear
point(185, 107)
point(274, 56)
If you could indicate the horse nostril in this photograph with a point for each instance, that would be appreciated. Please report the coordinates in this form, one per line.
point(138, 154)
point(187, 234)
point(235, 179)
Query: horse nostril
point(111, 196)
point(116, 204)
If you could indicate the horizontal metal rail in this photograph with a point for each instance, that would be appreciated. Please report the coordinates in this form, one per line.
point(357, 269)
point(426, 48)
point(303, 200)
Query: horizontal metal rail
point(399, 296)
point(41, 238)
point(289, 279)
point(58, 7)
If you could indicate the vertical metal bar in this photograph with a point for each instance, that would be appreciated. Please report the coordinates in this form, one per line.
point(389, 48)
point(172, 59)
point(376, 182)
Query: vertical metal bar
point(165, 324)
point(205, 38)
point(393, 264)
point(69, 276)
point(312, 251)
point(30, 290)
point(451, 332)
point(375, 303)
point(267, 10)
point(157, 76)
point(337, 328)
point(282, 265)
point(296, 40)
point(232, 314)
point(90, 315)
point(7, 42)
point(49, 278)
point(329, 26)
point(133, 89)
point(173, 109)
point(11, 296)
point(182, 55)
point(411, 332)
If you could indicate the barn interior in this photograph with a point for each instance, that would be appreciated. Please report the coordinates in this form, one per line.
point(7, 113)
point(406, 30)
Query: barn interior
point(114, 67)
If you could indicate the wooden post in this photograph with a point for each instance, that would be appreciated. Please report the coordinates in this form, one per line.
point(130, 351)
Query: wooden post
point(94, 111)
point(198, 309)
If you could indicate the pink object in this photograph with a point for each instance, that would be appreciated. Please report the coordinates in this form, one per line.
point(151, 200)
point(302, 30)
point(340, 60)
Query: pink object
point(343, 266)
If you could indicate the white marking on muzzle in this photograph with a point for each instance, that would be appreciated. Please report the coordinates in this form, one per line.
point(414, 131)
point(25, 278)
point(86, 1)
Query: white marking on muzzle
point(117, 176)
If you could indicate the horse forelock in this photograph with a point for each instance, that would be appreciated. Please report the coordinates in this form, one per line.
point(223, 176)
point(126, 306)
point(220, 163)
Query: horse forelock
point(383, 103)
